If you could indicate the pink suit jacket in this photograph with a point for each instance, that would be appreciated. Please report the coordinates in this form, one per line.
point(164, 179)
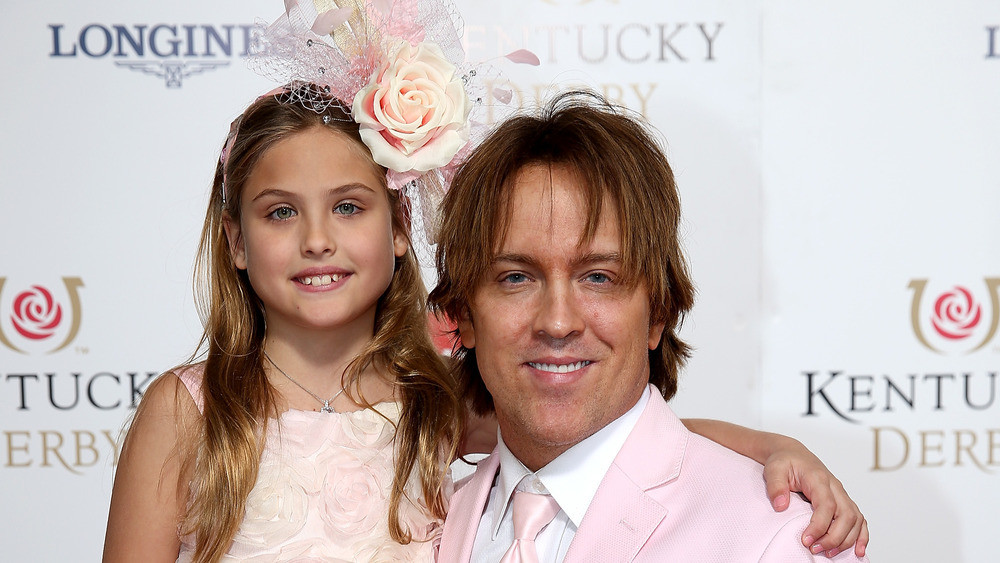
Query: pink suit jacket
point(670, 495)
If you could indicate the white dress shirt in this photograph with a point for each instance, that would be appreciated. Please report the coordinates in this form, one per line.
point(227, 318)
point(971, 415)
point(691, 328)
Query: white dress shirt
point(572, 479)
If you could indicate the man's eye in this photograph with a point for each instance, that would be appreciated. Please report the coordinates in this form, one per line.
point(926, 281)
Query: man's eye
point(515, 278)
point(346, 209)
point(283, 213)
point(598, 277)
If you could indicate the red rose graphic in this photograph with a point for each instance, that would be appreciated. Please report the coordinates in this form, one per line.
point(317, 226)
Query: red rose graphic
point(35, 314)
point(956, 314)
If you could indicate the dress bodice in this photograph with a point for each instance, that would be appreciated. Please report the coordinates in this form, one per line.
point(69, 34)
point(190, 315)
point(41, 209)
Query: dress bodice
point(322, 491)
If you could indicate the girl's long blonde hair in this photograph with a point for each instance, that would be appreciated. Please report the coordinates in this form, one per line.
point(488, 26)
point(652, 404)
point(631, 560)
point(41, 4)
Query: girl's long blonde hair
point(238, 400)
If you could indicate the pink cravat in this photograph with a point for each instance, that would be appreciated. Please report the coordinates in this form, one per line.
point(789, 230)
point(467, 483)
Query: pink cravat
point(531, 513)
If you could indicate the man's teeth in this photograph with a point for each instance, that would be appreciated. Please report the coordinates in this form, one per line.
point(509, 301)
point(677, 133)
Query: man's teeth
point(321, 280)
point(559, 368)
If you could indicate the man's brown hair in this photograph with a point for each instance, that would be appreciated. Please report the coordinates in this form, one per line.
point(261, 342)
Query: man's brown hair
point(618, 161)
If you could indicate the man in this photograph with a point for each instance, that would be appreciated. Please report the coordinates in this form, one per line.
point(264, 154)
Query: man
point(560, 262)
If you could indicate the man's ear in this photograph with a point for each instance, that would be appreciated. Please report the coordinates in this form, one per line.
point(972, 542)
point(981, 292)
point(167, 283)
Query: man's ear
point(655, 334)
point(466, 329)
point(234, 235)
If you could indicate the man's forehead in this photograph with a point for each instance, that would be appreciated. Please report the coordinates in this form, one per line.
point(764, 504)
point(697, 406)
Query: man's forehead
point(547, 188)
point(542, 218)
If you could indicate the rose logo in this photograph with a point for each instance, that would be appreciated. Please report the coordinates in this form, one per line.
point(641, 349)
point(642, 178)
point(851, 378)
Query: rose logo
point(36, 315)
point(956, 314)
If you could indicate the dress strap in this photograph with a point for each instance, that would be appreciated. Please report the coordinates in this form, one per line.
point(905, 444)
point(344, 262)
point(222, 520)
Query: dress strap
point(192, 378)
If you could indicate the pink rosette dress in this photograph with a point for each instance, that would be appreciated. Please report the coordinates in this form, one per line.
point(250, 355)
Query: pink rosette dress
point(322, 491)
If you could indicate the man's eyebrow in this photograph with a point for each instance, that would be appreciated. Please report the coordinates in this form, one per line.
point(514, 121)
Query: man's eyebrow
point(586, 259)
point(597, 258)
point(515, 258)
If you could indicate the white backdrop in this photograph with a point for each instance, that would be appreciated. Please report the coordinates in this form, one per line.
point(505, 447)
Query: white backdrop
point(839, 179)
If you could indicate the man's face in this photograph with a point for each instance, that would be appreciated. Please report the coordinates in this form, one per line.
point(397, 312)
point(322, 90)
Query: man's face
point(561, 343)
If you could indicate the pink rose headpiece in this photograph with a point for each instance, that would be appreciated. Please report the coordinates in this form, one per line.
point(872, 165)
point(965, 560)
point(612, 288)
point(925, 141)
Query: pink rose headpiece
point(401, 67)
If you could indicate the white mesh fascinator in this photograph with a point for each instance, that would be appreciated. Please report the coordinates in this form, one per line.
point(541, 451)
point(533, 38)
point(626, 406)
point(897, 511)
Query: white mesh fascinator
point(399, 69)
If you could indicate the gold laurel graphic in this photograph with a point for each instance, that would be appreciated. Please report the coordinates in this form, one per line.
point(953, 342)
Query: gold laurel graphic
point(918, 290)
point(3, 337)
point(72, 284)
point(992, 284)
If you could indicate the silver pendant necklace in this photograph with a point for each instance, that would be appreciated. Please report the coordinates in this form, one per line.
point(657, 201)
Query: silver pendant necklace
point(326, 402)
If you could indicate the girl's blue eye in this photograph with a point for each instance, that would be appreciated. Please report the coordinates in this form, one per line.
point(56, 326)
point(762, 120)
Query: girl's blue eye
point(283, 213)
point(346, 209)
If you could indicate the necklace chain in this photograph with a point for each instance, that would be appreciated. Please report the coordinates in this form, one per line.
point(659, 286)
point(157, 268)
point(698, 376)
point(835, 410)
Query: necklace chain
point(326, 402)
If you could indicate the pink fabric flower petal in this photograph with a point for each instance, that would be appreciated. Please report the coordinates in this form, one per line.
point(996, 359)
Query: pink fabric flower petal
point(384, 7)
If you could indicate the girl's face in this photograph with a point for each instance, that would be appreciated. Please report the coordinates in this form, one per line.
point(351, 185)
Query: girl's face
point(315, 234)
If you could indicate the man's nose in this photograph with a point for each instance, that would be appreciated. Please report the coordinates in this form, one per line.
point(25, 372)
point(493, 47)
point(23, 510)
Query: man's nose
point(559, 314)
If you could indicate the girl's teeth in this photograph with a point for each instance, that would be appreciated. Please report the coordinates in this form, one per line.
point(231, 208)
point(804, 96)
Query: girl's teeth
point(321, 280)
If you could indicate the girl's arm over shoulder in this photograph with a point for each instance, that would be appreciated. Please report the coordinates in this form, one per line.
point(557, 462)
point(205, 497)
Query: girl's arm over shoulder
point(150, 493)
point(837, 523)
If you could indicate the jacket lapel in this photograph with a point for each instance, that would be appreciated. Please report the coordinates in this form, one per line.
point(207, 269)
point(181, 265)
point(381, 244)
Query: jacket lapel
point(623, 516)
point(466, 511)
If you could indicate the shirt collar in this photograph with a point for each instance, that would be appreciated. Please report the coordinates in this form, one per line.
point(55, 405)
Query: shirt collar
point(572, 478)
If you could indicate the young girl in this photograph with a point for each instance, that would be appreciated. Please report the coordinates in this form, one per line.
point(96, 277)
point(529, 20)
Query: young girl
point(314, 303)
point(321, 423)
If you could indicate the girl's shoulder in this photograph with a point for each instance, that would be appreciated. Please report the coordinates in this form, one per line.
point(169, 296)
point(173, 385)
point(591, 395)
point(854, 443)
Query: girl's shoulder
point(176, 392)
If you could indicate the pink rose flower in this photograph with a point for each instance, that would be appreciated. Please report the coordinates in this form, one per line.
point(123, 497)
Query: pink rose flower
point(354, 493)
point(414, 113)
point(383, 549)
point(276, 508)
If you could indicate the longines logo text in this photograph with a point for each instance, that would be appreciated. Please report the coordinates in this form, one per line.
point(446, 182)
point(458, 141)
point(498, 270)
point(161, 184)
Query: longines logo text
point(172, 52)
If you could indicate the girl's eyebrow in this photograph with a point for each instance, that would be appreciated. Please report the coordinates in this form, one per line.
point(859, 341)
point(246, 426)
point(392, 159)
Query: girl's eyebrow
point(339, 190)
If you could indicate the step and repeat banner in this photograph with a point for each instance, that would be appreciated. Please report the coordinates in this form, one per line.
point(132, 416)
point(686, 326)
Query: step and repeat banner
point(881, 260)
point(837, 165)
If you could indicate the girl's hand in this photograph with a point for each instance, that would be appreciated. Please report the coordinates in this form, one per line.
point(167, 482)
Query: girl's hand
point(837, 522)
